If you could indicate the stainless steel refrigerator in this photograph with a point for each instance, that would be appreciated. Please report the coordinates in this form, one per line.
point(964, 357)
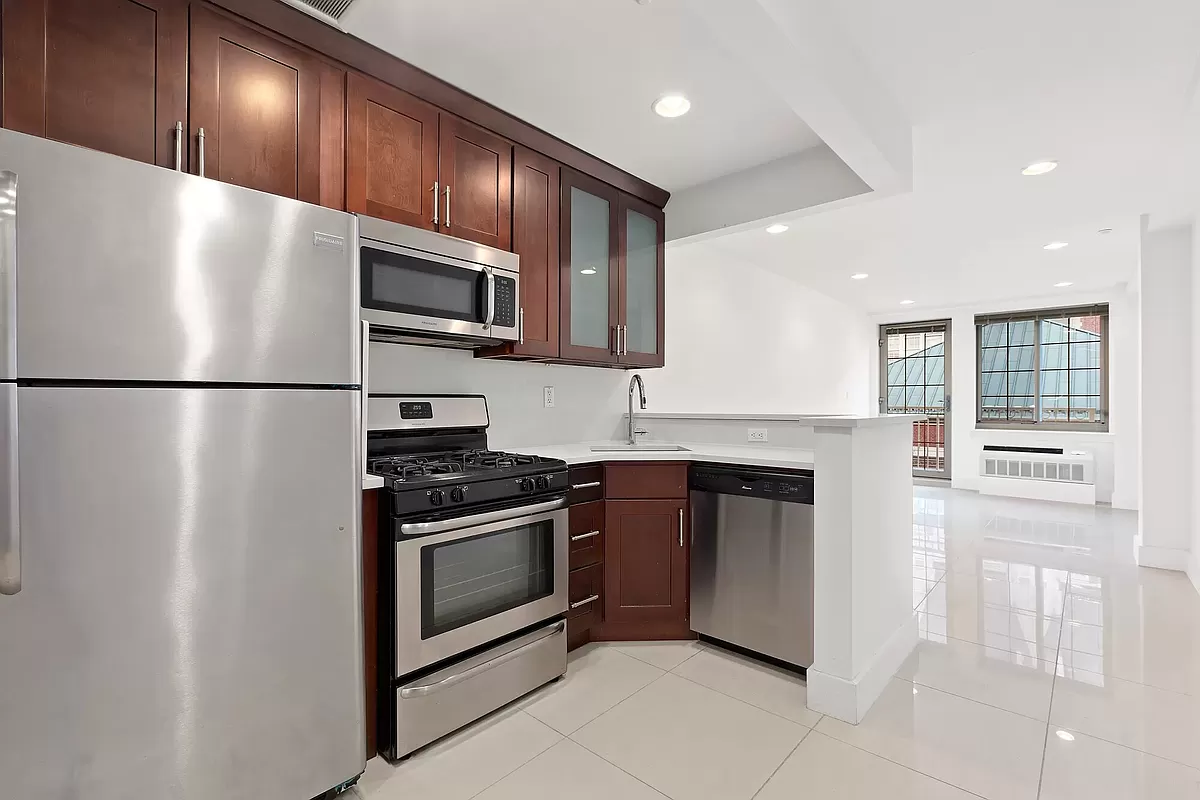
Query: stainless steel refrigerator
point(179, 485)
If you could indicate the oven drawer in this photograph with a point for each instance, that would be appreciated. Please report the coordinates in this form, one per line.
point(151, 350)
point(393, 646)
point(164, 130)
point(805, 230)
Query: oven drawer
point(586, 529)
point(435, 705)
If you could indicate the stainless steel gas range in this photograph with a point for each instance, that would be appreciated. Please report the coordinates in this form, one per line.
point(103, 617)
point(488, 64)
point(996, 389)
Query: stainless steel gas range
point(473, 567)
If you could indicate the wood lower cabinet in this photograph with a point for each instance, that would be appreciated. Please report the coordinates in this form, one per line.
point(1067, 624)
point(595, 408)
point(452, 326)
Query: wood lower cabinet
point(105, 74)
point(259, 103)
point(646, 569)
point(391, 154)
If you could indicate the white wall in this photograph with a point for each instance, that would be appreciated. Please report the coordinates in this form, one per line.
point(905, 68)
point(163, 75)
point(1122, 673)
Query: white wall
point(588, 401)
point(1165, 285)
point(1115, 451)
point(742, 339)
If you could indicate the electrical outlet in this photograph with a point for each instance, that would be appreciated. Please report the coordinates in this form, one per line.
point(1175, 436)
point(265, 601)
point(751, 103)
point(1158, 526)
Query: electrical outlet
point(756, 434)
point(548, 397)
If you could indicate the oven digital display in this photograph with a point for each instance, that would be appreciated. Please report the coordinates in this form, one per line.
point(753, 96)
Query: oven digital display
point(416, 411)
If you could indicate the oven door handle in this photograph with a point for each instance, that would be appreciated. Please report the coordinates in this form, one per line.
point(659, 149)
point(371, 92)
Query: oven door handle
point(441, 526)
point(409, 692)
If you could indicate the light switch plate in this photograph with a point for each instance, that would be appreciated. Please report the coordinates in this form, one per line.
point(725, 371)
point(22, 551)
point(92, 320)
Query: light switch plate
point(548, 396)
point(756, 434)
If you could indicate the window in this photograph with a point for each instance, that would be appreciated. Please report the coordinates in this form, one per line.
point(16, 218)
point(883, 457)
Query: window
point(1043, 368)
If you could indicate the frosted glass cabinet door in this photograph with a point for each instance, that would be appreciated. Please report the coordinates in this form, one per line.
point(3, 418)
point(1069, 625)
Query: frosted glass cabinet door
point(589, 280)
point(641, 239)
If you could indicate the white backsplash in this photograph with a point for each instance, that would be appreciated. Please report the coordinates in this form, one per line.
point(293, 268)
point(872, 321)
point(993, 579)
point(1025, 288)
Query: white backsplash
point(588, 402)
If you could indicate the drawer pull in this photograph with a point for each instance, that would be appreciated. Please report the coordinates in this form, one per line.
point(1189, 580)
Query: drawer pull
point(585, 601)
point(587, 535)
point(589, 485)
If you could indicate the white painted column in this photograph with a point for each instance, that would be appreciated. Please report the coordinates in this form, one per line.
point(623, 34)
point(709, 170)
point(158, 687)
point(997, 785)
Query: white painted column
point(1167, 416)
point(864, 623)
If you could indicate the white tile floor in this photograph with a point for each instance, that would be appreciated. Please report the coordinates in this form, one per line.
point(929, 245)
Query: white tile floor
point(1050, 667)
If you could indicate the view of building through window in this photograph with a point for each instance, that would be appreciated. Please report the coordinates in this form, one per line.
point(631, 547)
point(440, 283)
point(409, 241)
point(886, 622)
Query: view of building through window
point(1046, 367)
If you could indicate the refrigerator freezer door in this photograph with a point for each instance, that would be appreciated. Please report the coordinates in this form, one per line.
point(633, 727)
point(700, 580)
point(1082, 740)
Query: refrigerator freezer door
point(126, 271)
point(189, 624)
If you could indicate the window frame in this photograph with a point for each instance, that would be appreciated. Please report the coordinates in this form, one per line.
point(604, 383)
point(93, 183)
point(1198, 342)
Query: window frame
point(1037, 316)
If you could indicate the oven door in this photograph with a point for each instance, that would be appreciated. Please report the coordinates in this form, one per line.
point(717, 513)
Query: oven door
point(408, 289)
point(462, 583)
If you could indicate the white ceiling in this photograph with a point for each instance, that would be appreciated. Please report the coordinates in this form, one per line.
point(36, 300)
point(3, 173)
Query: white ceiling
point(588, 71)
point(1106, 87)
point(1109, 88)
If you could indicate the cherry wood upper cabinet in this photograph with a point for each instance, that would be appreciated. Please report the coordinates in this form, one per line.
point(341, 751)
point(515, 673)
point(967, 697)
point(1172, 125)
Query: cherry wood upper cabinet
point(259, 103)
point(391, 154)
point(589, 282)
point(475, 168)
point(646, 569)
point(106, 74)
point(642, 270)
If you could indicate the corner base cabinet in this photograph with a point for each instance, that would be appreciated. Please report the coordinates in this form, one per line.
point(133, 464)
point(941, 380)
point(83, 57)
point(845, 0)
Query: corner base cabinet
point(646, 580)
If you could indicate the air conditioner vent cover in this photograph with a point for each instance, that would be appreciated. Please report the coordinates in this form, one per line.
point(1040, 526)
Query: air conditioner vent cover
point(329, 11)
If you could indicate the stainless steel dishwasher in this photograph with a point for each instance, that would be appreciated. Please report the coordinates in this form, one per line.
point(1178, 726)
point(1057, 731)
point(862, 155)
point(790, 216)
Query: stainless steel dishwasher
point(752, 559)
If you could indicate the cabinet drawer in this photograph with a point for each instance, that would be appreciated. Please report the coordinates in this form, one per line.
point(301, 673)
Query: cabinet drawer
point(585, 592)
point(587, 483)
point(586, 529)
point(645, 481)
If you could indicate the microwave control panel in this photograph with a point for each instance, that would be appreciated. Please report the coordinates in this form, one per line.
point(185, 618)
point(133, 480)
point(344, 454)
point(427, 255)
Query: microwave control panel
point(506, 302)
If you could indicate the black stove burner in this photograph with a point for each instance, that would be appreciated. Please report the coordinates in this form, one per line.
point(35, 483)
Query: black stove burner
point(436, 464)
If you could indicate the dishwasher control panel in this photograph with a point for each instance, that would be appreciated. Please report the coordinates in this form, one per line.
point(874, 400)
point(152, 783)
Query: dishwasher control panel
point(789, 487)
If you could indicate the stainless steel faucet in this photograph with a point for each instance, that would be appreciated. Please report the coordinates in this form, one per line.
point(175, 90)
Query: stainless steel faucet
point(635, 381)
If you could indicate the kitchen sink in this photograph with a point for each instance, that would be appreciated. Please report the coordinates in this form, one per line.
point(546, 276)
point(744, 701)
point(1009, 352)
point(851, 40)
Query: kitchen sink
point(638, 448)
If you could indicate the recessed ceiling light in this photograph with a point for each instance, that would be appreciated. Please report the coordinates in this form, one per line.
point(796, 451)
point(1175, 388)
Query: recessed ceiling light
point(672, 105)
point(1039, 168)
point(1054, 246)
point(859, 276)
point(1062, 284)
point(1066, 736)
point(588, 271)
point(907, 302)
point(776, 228)
point(1104, 230)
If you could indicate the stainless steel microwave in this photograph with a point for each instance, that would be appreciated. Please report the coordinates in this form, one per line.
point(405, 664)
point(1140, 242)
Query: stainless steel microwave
point(428, 288)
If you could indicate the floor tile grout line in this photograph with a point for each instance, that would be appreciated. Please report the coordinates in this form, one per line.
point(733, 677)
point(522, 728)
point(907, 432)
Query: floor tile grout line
point(779, 766)
point(640, 689)
point(745, 703)
point(561, 738)
point(973, 700)
point(942, 781)
point(1130, 748)
point(990, 647)
point(1053, 683)
point(615, 766)
point(616, 646)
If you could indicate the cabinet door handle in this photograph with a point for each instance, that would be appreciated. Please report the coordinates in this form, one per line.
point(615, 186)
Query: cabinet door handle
point(587, 535)
point(178, 146)
point(681, 527)
point(588, 485)
point(200, 137)
point(447, 205)
point(585, 601)
point(435, 204)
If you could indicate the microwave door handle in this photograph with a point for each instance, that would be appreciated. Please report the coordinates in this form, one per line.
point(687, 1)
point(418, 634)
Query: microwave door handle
point(491, 297)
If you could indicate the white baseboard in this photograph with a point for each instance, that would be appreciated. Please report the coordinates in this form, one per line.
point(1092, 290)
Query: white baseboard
point(1060, 491)
point(1193, 571)
point(1163, 558)
point(850, 700)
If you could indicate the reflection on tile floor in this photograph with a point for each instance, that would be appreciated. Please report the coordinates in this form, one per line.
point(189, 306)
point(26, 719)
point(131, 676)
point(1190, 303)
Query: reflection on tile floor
point(1050, 667)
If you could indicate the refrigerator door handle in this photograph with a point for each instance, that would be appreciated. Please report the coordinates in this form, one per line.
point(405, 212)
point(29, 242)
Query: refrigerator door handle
point(10, 512)
point(8, 274)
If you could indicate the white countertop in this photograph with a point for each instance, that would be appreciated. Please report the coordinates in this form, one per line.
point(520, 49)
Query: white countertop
point(815, 420)
point(781, 457)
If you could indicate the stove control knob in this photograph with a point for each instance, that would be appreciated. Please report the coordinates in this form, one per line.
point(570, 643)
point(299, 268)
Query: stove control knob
point(436, 497)
point(458, 494)
point(525, 484)
point(543, 482)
